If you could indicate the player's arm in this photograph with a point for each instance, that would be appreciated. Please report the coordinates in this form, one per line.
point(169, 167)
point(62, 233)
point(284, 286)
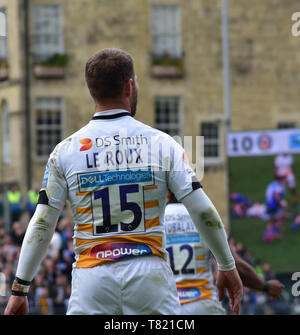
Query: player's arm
point(209, 224)
point(251, 280)
point(38, 236)
point(211, 228)
point(280, 201)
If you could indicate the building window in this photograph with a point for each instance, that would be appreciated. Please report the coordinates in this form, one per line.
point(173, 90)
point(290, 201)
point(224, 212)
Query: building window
point(3, 45)
point(211, 133)
point(166, 31)
point(49, 127)
point(167, 115)
point(48, 31)
point(2, 22)
point(286, 125)
point(3, 35)
point(6, 133)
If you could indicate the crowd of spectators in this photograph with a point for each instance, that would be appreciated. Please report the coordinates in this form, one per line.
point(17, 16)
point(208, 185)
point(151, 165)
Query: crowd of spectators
point(51, 287)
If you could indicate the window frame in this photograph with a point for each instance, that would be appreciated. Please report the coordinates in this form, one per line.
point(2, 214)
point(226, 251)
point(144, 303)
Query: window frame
point(286, 125)
point(61, 126)
point(215, 160)
point(41, 50)
point(179, 124)
point(4, 39)
point(175, 36)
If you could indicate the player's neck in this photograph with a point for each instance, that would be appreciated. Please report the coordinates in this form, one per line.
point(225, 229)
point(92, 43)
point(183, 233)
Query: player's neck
point(109, 106)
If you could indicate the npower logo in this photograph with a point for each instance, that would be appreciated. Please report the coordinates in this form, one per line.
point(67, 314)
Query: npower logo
point(87, 144)
point(120, 250)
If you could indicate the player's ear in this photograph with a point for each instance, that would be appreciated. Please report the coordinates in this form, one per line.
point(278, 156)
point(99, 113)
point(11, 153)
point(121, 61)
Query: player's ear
point(128, 87)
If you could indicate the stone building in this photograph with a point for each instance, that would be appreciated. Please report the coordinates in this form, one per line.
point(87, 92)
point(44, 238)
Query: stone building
point(177, 49)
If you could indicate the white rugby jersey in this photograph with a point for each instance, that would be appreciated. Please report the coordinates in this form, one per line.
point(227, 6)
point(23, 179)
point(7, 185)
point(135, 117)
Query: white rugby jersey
point(284, 164)
point(116, 172)
point(189, 257)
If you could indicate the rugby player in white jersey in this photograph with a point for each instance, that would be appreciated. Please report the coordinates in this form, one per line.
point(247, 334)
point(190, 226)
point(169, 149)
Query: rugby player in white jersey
point(113, 173)
point(284, 166)
point(191, 263)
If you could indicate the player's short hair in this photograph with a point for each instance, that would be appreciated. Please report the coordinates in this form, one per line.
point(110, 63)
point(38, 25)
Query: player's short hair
point(106, 73)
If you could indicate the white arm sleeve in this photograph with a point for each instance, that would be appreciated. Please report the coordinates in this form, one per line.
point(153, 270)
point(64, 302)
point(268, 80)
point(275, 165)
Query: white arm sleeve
point(210, 226)
point(37, 238)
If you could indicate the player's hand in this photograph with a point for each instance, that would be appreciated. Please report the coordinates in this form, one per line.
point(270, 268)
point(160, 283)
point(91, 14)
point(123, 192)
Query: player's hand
point(275, 288)
point(232, 282)
point(17, 305)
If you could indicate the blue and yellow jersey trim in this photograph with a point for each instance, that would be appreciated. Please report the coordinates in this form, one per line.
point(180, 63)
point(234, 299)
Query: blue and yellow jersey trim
point(193, 290)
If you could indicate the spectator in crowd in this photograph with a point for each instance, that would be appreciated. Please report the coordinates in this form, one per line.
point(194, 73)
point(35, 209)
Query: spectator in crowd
point(260, 306)
point(59, 294)
point(18, 233)
point(43, 301)
point(296, 306)
point(249, 301)
point(258, 268)
point(268, 273)
point(280, 306)
point(32, 199)
point(15, 202)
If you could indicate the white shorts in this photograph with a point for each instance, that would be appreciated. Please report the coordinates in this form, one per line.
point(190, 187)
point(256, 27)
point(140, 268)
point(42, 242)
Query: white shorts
point(291, 180)
point(203, 307)
point(136, 286)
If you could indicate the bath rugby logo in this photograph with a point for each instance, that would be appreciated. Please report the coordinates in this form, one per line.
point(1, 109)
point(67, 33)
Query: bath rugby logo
point(115, 251)
point(265, 142)
point(87, 144)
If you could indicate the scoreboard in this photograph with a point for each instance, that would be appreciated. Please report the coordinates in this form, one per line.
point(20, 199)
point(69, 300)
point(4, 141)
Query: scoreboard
point(263, 142)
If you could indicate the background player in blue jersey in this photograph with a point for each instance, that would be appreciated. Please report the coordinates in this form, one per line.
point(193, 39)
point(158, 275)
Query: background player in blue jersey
point(276, 205)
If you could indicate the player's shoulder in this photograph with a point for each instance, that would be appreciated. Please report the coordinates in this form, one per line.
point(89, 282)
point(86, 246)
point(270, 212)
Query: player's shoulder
point(273, 184)
point(71, 144)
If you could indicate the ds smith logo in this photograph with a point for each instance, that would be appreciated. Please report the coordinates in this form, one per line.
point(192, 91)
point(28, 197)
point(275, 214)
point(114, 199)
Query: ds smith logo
point(87, 144)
